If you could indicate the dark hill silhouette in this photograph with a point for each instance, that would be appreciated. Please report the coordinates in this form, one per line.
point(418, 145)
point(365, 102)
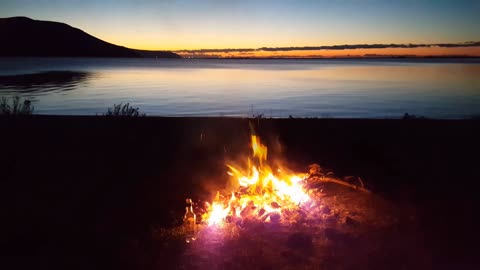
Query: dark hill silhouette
point(157, 54)
point(22, 36)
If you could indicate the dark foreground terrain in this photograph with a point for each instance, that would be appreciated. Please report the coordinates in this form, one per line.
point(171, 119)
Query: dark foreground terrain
point(93, 192)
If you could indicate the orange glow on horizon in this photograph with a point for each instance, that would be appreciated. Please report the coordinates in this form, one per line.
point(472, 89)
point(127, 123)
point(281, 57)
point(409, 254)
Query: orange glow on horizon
point(425, 51)
point(145, 41)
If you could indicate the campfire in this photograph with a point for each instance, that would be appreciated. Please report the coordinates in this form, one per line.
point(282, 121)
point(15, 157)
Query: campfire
point(265, 193)
point(271, 217)
point(277, 218)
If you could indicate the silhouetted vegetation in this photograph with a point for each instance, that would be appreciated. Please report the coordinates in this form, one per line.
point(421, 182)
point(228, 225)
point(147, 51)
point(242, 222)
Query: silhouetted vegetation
point(15, 106)
point(258, 116)
point(124, 110)
point(407, 116)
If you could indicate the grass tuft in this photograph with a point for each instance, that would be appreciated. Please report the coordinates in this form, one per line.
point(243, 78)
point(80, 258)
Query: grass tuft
point(124, 110)
point(15, 106)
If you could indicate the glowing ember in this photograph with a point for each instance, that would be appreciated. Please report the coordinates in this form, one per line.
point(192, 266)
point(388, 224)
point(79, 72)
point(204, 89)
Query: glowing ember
point(263, 194)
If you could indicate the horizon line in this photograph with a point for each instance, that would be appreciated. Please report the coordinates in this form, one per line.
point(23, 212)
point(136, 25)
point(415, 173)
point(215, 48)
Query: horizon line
point(335, 47)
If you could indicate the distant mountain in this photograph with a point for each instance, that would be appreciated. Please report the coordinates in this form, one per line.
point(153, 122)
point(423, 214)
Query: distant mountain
point(22, 36)
point(157, 54)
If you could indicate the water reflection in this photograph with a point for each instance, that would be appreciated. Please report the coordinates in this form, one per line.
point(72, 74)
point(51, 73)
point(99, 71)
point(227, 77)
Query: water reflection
point(43, 82)
point(278, 88)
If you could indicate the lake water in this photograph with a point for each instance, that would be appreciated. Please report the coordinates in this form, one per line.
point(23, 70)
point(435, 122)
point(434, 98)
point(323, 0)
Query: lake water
point(388, 88)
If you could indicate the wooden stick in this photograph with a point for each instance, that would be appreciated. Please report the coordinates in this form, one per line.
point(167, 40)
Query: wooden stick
point(340, 182)
point(343, 183)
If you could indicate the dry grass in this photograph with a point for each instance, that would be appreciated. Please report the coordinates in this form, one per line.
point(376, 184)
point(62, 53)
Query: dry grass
point(15, 106)
point(124, 110)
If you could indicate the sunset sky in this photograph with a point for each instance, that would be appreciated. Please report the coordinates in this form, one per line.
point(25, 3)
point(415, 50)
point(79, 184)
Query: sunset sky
point(218, 24)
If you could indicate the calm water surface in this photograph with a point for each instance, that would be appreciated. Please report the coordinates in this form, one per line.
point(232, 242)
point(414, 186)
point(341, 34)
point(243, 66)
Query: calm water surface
point(277, 88)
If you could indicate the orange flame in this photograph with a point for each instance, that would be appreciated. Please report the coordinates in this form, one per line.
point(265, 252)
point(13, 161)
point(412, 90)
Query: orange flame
point(263, 192)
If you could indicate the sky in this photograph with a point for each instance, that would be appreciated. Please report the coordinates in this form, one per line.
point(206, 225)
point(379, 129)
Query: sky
point(218, 24)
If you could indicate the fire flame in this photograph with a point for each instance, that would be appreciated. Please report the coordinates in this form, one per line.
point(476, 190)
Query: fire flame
point(263, 193)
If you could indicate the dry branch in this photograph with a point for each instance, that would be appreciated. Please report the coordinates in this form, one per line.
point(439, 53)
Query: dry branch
point(323, 179)
point(340, 182)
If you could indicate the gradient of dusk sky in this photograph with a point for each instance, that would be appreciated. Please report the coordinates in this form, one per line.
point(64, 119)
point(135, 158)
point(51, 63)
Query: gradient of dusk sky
point(191, 24)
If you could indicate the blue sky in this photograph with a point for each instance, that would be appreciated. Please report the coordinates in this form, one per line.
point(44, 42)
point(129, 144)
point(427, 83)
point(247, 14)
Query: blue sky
point(190, 24)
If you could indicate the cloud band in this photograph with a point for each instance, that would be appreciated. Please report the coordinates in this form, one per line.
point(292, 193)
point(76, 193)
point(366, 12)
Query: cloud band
point(336, 47)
